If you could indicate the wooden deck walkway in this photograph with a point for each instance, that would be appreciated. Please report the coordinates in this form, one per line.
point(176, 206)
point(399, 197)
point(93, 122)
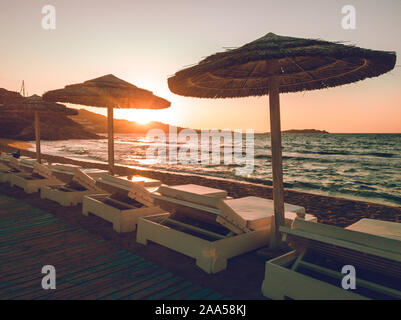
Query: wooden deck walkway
point(86, 267)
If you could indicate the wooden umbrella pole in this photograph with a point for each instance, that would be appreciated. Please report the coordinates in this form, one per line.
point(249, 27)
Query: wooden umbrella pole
point(277, 163)
point(37, 136)
point(110, 127)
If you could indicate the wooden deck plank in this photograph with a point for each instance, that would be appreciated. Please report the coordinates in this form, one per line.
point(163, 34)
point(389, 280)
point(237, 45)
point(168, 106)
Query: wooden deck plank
point(42, 245)
point(78, 281)
point(58, 258)
point(114, 291)
point(31, 287)
point(25, 232)
point(125, 293)
point(163, 294)
point(99, 284)
point(180, 295)
point(153, 287)
point(87, 267)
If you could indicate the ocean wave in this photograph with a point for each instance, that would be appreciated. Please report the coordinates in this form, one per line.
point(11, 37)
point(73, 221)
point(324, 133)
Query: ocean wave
point(379, 154)
point(364, 166)
point(80, 151)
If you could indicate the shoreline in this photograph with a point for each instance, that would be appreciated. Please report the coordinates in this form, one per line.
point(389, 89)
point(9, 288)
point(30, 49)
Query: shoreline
point(16, 144)
point(330, 210)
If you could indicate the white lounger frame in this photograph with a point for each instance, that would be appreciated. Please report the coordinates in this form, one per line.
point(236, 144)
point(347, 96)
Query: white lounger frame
point(6, 173)
point(64, 172)
point(9, 167)
point(69, 197)
point(123, 220)
point(34, 185)
point(211, 256)
point(281, 281)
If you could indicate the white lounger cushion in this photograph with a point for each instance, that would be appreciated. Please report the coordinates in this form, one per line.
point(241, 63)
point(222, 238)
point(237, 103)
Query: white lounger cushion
point(254, 212)
point(28, 162)
point(84, 178)
point(143, 194)
point(380, 228)
point(194, 193)
point(368, 242)
point(93, 172)
point(64, 168)
point(126, 183)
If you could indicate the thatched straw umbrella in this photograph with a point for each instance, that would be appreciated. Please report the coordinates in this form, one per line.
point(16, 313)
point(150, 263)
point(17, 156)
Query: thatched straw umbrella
point(37, 105)
point(274, 64)
point(108, 92)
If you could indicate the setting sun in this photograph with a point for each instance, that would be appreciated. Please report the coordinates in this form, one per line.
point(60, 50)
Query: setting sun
point(139, 116)
point(143, 116)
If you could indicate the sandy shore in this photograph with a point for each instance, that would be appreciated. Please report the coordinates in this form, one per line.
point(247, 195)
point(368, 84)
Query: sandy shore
point(244, 275)
point(16, 144)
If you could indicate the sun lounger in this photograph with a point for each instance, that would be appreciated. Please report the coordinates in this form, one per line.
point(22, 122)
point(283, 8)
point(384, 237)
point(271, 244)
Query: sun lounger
point(15, 163)
point(8, 161)
point(8, 166)
point(32, 182)
point(193, 226)
point(72, 193)
point(122, 207)
point(313, 270)
point(6, 157)
point(27, 164)
point(64, 172)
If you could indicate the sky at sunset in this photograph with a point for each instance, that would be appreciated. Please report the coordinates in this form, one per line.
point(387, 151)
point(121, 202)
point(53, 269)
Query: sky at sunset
point(144, 42)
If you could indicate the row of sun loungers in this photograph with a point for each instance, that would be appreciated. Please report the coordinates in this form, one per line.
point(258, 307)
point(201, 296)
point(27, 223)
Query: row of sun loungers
point(206, 224)
point(9, 166)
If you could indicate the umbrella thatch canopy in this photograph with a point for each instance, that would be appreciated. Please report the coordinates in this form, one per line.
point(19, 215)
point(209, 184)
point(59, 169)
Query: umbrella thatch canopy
point(108, 92)
point(36, 104)
point(274, 64)
point(303, 64)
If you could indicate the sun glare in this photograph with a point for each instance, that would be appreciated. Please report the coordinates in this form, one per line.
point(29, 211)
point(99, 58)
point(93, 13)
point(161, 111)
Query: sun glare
point(141, 120)
point(142, 116)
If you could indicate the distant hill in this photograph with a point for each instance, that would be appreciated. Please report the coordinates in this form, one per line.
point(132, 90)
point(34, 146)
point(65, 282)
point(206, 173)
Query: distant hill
point(306, 131)
point(86, 125)
point(299, 131)
point(19, 125)
point(97, 123)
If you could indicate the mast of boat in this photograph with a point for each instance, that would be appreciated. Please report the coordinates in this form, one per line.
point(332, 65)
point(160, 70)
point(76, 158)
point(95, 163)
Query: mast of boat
point(23, 91)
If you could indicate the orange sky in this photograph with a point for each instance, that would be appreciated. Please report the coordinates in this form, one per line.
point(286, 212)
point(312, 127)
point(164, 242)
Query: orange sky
point(145, 42)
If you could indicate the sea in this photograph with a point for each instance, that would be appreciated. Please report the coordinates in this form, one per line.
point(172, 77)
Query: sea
point(356, 166)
